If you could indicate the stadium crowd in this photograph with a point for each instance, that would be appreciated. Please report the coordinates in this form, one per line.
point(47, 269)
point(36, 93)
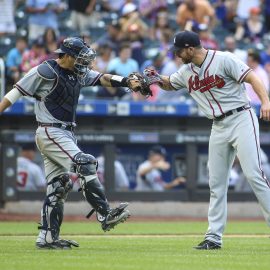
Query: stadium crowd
point(131, 35)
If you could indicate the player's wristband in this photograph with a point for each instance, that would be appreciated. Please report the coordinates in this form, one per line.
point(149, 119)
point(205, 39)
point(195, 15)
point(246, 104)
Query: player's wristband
point(13, 95)
point(118, 81)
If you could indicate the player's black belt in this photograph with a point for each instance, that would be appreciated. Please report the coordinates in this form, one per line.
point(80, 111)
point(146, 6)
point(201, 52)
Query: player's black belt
point(57, 125)
point(239, 109)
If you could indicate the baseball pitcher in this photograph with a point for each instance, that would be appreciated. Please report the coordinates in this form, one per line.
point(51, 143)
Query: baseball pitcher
point(215, 80)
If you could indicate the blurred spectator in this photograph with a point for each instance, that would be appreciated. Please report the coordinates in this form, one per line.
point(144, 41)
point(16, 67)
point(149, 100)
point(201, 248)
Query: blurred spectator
point(83, 15)
point(235, 173)
point(112, 36)
point(7, 22)
point(221, 11)
point(149, 176)
point(14, 60)
point(150, 8)
point(266, 13)
point(50, 42)
point(252, 29)
point(265, 55)
point(130, 20)
point(253, 62)
point(104, 55)
point(193, 12)
point(121, 179)
point(244, 7)
point(30, 177)
point(42, 14)
point(231, 46)
point(207, 40)
point(123, 64)
point(155, 62)
point(171, 66)
point(136, 40)
point(112, 6)
point(172, 96)
point(35, 56)
point(161, 25)
point(165, 44)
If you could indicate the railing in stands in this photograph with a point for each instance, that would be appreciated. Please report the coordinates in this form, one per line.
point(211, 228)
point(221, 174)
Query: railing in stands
point(2, 78)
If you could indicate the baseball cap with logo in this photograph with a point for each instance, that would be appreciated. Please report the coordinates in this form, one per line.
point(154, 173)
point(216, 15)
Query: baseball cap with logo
point(185, 39)
point(158, 149)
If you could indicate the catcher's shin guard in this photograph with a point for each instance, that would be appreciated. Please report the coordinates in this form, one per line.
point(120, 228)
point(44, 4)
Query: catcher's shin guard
point(53, 208)
point(86, 166)
point(95, 196)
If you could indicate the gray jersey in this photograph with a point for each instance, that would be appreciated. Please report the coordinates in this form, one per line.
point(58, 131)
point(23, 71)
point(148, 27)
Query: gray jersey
point(121, 179)
point(150, 181)
point(217, 86)
point(33, 85)
point(30, 176)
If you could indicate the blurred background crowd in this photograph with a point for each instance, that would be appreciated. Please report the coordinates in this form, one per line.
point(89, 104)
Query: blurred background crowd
point(131, 35)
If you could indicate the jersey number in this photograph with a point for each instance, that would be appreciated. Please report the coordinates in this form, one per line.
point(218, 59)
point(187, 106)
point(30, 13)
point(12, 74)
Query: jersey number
point(22, 179)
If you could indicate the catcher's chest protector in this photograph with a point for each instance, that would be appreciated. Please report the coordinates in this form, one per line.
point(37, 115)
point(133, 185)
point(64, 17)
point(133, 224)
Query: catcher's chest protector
point(63, 100)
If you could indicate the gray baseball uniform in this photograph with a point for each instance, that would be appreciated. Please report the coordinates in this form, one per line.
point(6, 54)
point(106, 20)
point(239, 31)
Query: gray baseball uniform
point(218, 89)
point(57, 146)
point(151, 180)
point(56, 86)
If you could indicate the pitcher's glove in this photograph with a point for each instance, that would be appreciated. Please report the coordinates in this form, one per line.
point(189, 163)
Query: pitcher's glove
point(137, 83)
point(141, 82)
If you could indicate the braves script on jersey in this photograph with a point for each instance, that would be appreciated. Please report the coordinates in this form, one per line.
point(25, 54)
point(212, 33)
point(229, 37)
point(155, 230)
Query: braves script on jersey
point(216, 85)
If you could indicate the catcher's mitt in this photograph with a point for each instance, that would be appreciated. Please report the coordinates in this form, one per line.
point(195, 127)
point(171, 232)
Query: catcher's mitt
point(137, 83)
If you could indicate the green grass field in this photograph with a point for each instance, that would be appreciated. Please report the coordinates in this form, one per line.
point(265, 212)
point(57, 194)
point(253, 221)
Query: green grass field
point(136, 245)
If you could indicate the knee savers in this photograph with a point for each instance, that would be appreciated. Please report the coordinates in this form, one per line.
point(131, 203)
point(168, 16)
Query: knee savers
point(85, 164)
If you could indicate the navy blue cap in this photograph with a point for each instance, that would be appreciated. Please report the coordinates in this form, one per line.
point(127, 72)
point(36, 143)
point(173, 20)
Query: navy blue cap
point(157, 149)
point(185, 39)
point(28, 146)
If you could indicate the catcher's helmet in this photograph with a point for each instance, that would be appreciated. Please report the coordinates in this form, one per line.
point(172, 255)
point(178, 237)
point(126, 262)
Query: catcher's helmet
point(83, 54)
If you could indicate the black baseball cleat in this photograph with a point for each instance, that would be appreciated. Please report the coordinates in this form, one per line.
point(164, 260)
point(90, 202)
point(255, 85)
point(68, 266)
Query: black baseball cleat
point(58, 244)
point(206, 245)
point(115, 216)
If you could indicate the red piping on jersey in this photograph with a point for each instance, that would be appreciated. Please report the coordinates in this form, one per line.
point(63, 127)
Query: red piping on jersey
point(219, 106)
point(63, 150)
point(24, 93)
point(243, 75)
point(206, 72)
point(171, 84)
point(211, 106)
point(194, 70)
point(209, 63)
point(258, 155)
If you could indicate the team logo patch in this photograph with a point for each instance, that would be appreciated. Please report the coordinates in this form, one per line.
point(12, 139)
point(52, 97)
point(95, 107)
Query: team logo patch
point(71, 78)
point(205, 84)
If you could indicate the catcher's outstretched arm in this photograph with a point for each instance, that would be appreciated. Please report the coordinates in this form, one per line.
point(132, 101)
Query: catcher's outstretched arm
point(109, 80)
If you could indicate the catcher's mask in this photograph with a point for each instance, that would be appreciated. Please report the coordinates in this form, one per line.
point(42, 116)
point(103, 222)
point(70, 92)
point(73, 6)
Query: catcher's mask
point(83, 54)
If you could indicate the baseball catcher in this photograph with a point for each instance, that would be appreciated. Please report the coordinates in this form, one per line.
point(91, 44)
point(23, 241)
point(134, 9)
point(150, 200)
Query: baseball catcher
point(55, 85)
